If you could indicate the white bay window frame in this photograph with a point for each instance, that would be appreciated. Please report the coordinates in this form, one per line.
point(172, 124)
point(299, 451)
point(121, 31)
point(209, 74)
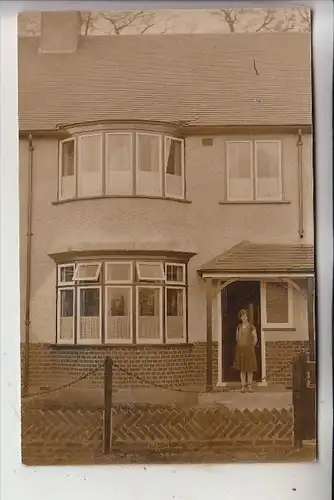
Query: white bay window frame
point(89, 341)
point(60, 168)
point(152, 264)
point(59, 293)
point(119, 173)
point(175, 264)
point(119, 263)
point(99, 171)
point(143, 340)
point(140, 172)
point(85, 278)
point(184, 317)
point(99, 281)
point(170, 194)
point(119, 340)
point(279, 326)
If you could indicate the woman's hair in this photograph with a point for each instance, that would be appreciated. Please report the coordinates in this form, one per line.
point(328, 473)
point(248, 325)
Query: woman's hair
point(241, 313)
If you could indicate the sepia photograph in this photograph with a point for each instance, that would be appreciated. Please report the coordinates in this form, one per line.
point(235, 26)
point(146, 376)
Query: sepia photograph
point(168, 282)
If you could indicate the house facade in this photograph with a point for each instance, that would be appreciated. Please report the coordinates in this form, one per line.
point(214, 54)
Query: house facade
point(165, 183)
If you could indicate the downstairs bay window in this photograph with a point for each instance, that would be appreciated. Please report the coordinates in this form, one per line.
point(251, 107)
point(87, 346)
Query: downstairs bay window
point(121, 302)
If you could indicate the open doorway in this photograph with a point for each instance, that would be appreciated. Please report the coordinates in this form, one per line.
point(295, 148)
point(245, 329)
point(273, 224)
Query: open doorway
point(236, 296)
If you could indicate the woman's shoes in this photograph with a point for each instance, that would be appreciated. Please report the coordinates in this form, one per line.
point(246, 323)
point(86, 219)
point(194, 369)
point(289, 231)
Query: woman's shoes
point(250, 388)
point(243, 389)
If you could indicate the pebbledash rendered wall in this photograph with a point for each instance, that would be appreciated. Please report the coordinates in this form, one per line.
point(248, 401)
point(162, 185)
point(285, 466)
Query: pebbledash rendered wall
point(202, 226)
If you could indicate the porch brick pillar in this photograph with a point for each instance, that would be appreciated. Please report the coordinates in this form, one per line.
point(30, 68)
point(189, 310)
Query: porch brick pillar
point(209, 297)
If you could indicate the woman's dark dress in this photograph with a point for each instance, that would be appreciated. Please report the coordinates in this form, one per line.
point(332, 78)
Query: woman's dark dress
point(245, 358)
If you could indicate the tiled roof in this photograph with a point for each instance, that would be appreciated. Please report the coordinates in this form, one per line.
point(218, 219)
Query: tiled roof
point(237, 79)
point(263, 258)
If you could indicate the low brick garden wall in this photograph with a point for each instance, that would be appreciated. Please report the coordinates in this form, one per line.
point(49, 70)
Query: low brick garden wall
point(57, 432)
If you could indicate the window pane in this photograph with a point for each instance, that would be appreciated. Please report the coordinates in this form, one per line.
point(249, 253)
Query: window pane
point(239, 158)
point(119, 164)
point(66, 315)
point(89, 314)
point(90, 166)
point(150, 271)
point(119, 317)
point(118, 271)
point(175, 313)
point(175, 273)
point(87, 272)
point(149, 313)
point(148, 169)
point(173, 168)
point(66, 274)
point(268, 170)
point(67, 178)
point(277, 302)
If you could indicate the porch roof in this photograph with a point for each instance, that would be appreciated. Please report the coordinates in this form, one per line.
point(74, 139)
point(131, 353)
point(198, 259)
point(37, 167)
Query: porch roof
point(258, 258)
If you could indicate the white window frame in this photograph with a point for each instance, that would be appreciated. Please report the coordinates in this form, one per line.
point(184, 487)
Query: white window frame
point(271, 198)
point(89, 341)
point(168, 195)
point(279, 326)
point(149, 341)
point(59, 290)
point(63, 266)
point(231, 198)
point(145, 263)
point(81, 264)
point(118, 341)
point(119, 262)
point(107, 134)
point(138, 171)
point(184, 335)
point(175, 264)
point(60, 166)
point(79, 170)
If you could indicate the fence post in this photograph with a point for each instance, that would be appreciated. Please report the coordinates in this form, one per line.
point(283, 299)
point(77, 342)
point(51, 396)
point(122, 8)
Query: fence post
point(107, 417)
point(298, 396)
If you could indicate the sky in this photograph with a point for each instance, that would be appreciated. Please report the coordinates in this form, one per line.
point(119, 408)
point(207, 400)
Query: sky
point(183, 21)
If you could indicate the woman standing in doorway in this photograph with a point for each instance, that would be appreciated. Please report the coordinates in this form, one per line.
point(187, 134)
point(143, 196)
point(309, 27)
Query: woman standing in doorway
point(245, 358)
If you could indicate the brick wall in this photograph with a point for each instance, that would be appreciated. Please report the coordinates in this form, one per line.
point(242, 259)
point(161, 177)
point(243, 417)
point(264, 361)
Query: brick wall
point(168, 365)
point(51, 435)
point(278, 355)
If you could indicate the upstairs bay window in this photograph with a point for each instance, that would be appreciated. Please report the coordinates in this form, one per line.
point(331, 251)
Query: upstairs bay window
point(121, 164)
point(120, 301)
point(254, 171)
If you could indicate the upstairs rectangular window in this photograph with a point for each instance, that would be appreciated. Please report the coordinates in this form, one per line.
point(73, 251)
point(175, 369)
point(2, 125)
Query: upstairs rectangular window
point(254, 170)
point(87, 272)
point(150, 271)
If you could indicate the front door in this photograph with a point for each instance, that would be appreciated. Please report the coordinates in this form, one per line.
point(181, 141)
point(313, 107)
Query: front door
point(236, 296)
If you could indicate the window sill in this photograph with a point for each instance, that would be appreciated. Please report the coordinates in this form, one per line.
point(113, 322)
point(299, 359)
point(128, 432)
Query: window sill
point(85, 198)
point(279, 329)
point(254, 202)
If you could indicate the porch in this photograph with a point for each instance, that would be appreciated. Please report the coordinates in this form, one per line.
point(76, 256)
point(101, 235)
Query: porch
point(249, 268)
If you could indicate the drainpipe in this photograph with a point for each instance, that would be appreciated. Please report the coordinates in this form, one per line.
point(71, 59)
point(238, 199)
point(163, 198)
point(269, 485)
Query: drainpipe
point(28, 267)
point(300, 185)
